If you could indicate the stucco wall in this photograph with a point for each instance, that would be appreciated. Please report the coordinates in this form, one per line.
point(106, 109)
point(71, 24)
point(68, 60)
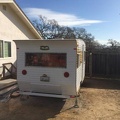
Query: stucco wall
point(12, 28)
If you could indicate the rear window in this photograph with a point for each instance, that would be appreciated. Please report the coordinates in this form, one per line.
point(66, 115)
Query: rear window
point(57, 60)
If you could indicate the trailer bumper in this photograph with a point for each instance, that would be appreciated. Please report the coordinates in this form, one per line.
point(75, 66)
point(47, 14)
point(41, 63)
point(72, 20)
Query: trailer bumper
point(44, 94)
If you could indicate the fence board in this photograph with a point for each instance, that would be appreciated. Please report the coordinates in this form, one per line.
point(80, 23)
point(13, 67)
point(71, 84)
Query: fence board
point(103, 64)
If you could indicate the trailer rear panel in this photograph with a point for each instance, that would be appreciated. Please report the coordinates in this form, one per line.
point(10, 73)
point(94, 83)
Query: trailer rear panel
point(47, 67)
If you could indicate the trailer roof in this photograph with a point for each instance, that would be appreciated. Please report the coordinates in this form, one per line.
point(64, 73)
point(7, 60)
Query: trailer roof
point(51, 40)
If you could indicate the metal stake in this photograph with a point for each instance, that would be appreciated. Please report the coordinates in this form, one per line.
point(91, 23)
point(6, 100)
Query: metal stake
point(76, 103)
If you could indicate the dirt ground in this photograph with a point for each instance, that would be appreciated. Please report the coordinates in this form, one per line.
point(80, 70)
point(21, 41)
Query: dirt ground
point(99, 100)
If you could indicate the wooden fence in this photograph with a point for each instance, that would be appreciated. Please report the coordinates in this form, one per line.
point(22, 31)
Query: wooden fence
point(105, 65)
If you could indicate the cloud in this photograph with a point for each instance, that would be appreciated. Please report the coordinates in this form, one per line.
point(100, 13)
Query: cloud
point(61, 18)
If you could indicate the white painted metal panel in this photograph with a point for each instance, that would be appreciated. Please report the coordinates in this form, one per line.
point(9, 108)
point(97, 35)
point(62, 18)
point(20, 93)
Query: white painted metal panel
point(57, 84)
point(80, 74)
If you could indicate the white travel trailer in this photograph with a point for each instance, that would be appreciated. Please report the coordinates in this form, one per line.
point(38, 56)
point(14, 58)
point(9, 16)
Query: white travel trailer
point(51, 68)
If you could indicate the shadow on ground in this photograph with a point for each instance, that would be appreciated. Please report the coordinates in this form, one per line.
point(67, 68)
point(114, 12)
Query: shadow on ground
point(101, 83)
point(32, 108)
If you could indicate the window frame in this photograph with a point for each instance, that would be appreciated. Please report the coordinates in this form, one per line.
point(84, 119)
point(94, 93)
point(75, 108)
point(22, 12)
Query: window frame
point(1, 49)
point(4, 50)
point(60, 64)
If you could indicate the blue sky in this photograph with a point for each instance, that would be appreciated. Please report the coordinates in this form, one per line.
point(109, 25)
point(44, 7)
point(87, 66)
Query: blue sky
point(101, 18)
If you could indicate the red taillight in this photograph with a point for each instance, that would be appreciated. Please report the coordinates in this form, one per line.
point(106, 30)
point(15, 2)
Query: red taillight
point(24, 72)
point(66, 74)
point(72, 96)
point(75, 48)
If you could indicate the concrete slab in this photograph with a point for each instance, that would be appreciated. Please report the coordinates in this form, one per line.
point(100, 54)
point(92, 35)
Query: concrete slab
point(7, 82)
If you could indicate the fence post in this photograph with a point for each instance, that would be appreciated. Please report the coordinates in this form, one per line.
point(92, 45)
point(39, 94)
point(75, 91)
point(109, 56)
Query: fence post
point(3, 71)
point(107, 66)
point(90, 65)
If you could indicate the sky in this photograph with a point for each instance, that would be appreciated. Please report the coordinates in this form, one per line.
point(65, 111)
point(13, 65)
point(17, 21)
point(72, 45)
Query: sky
point(101, 18)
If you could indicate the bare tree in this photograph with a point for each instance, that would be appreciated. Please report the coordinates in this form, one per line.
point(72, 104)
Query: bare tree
point(113, 43)
point(50, 29)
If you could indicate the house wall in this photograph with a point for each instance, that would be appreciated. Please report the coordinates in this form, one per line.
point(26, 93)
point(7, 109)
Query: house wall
point(11, 28)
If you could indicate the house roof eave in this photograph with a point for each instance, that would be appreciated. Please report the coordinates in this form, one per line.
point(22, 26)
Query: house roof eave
point(21, 14)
